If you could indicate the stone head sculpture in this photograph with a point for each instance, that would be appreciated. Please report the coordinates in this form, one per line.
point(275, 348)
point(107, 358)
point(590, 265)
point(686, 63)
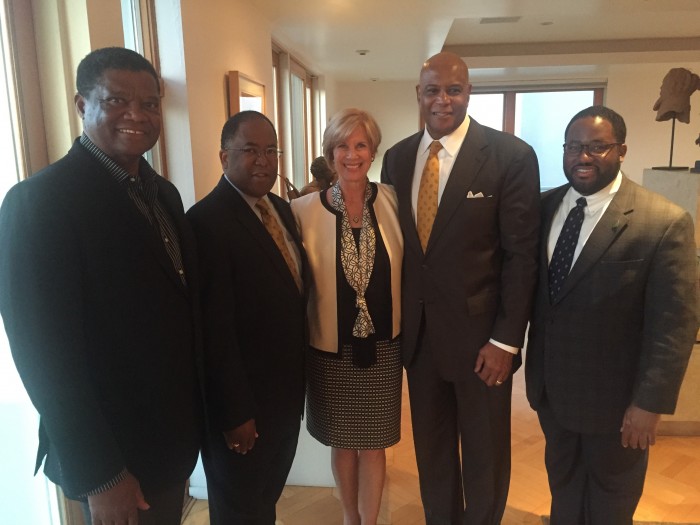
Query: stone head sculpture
point(674, 98)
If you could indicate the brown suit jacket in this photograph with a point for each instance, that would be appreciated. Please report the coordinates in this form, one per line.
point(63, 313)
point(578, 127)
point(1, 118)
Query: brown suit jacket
point(476, 279)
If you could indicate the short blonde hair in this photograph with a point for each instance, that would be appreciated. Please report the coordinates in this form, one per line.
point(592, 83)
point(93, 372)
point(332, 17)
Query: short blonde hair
point(342, 125)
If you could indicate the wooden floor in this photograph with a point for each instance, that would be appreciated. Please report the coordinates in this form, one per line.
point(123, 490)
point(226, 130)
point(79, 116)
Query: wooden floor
point(671, 494)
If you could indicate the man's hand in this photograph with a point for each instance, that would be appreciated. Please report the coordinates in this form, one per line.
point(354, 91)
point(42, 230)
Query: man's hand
point(118, 505)
point(242, 438)
point(493, 365)
point(639, 428)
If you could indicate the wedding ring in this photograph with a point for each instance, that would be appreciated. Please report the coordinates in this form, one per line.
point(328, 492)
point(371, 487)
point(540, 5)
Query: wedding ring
point(235, 445)
point(499, 382)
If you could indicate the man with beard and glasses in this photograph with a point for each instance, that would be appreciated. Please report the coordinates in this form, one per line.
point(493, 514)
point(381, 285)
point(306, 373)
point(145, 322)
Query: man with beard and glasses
point(613, 326)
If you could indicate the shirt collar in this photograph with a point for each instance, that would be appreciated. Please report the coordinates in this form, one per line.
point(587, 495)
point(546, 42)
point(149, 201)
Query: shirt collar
point(146, 173)
point(252, 201)
point(597, 200)
point(450, 143)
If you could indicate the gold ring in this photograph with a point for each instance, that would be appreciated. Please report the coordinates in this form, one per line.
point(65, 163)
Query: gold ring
point(234, 445)
point(499, 382)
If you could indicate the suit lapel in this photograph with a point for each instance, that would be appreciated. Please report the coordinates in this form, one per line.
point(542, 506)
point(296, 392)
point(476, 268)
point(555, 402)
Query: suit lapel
point(609, 228)
point(405, 168)
point(243, 213)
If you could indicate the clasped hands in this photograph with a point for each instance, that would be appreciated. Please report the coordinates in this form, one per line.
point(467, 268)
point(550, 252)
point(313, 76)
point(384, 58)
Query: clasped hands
point(242, 438)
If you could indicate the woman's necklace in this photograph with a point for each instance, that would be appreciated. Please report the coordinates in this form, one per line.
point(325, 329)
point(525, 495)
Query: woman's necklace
point(355, 218)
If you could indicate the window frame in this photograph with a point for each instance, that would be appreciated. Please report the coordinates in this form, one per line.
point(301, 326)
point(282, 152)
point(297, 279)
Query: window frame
point(284, 67)
point(510, 92)
point(144, 33)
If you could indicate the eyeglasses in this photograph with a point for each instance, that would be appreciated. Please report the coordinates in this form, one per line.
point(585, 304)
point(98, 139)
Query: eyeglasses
point(595, 149)
point(255, 153)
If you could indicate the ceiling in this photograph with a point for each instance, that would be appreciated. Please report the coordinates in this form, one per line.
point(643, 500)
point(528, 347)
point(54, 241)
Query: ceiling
point(399, 34)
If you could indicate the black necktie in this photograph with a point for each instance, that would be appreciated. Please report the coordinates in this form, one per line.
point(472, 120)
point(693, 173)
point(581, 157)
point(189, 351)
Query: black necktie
point(563, 255)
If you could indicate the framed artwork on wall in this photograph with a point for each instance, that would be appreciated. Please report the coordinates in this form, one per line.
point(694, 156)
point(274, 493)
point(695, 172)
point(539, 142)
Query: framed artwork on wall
point(244, 93)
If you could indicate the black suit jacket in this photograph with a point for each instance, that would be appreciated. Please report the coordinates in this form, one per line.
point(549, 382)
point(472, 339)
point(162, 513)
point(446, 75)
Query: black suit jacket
point(622, 327)
point(254, 315)
point(475, 280)
point(101, 328)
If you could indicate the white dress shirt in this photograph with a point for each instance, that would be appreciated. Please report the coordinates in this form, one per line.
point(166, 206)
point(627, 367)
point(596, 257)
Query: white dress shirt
point(451, 145)
point(596, 205)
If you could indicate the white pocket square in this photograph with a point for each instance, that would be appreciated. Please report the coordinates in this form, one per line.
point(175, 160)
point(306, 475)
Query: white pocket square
point(471, 195)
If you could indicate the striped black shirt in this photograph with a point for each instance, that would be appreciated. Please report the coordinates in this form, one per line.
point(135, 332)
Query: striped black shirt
point(143, 191)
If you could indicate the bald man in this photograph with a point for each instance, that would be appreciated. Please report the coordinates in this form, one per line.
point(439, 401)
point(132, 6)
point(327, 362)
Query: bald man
point(469, 273)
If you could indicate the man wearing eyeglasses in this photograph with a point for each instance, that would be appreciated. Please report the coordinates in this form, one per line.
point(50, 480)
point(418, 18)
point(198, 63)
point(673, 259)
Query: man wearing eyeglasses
point(253, 272)
point(613, 327)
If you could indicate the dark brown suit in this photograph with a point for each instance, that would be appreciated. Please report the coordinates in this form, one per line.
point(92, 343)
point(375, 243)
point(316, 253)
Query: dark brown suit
point(474, 282)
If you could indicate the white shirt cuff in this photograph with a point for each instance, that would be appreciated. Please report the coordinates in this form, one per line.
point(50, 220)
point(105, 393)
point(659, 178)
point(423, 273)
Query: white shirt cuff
point(510, 349)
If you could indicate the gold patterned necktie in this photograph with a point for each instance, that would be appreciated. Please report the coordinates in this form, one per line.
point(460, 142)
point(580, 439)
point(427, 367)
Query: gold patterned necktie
point(275, 230)
point(428, 195)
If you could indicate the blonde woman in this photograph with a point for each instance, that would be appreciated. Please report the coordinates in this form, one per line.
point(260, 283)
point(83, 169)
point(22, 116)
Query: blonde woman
point(354, 244)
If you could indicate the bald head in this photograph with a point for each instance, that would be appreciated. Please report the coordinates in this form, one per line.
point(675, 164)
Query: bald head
point(446, 61)
point(443, 93)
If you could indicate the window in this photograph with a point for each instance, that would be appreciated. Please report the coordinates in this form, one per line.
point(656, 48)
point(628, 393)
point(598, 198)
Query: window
point(539, 118)
point(297, 116)
point(299, 108)
point(28, 499)
point(487, 109)
point(138, 18)
point(11, 170)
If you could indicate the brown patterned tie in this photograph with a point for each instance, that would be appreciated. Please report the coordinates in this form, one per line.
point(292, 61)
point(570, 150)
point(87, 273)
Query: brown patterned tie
point(275, 230)
point(428, 195)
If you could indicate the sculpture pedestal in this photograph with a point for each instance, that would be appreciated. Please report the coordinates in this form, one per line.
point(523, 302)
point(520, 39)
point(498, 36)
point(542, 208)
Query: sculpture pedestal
point(682, 188)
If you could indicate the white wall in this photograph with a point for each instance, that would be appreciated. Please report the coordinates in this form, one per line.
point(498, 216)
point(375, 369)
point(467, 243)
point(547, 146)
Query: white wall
point(229, 35)
point(632, 90)
point(392, 104)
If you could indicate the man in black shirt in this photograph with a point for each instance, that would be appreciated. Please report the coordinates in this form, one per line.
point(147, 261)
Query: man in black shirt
point(98, 292)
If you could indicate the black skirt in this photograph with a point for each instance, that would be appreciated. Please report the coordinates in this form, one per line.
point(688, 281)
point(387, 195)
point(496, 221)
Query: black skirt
point(352, 407)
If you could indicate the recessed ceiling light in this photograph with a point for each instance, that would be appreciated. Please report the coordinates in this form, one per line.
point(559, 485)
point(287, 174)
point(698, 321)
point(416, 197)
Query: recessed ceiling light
point(362, 52)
